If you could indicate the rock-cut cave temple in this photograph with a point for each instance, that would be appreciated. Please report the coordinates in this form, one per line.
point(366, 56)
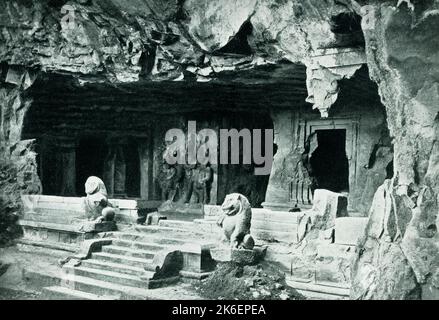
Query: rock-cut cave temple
point(349, 88)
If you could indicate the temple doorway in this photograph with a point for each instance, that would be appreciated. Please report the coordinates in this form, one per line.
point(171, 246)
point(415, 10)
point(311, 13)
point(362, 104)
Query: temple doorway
point(329, 162)
point(90, 157)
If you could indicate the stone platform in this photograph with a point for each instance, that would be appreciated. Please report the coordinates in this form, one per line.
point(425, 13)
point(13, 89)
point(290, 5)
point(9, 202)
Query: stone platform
point(173, 250)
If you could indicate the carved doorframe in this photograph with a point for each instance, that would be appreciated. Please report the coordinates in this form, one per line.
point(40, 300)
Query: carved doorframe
point(351, 125)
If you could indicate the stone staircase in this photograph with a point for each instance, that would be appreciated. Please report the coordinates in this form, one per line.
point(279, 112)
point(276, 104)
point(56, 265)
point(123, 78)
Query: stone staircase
point(278, 230)
point(137, 259)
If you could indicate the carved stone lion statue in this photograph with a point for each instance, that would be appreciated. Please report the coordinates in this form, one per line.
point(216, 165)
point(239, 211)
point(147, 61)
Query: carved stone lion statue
point(236, 221)
point(96, 204)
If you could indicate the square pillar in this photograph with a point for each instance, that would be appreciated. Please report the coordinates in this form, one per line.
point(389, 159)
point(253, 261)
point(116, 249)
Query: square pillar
point(67, 166)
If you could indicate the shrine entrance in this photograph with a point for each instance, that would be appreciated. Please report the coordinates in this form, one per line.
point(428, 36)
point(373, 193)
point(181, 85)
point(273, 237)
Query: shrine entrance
point(329, 162)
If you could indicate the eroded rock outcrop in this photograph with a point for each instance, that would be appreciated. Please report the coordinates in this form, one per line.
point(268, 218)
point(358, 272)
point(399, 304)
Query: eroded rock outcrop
point(402, 54)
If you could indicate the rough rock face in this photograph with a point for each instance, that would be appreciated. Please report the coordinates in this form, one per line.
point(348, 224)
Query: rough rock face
point(402, 51)
point(126, 41)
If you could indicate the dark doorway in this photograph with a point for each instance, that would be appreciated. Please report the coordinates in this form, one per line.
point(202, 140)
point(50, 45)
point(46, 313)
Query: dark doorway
point(90, 160)
point(329, 162)
point(90, 155)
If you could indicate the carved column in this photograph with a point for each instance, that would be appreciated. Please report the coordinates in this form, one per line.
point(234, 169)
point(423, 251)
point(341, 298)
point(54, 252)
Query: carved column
point(108, 174)
point(115, 168)
point(284, 163)
point(146, 160)
point(67, 166)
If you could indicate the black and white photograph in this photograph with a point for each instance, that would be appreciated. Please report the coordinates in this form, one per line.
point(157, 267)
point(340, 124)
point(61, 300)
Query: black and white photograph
point(242, 152)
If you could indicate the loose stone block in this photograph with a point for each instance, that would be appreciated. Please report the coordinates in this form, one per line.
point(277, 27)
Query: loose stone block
point(327, 207)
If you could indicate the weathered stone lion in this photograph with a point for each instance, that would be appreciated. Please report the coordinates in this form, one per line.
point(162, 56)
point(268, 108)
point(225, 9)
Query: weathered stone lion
point(96, 204)
point(236, 221)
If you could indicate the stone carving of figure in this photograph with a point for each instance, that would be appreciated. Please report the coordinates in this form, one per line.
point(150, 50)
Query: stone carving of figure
point(169, 180)
point(236, 221)
point(305, 163)
point(202, 181)
point(96, 204)
point(188, 182)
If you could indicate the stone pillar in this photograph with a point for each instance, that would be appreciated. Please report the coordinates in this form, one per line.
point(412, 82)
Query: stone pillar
point(115, 169)
point(284, 162)
point(108, 174)
point(67, 165)
point(146, 160)
point(120, 168)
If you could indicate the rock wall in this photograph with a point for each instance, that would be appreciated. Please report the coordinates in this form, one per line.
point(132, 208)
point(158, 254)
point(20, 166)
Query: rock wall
point(402, 50)
point(18, 167)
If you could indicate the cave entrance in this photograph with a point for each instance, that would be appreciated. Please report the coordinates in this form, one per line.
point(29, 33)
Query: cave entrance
point(90, 156)
point(115, 161)
point(329, 162)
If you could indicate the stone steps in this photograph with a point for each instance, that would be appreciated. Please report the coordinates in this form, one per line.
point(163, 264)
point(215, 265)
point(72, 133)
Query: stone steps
point(128, 252)
point(138, 245)
point(63, 293)
point(274, 226)
point(177, 224)
point(105, 288)
point(112, 276)
point(275, 216)
point(319, 291)
point(119, 268)
point(275, 236)
point(115, 258)
point(111, 266)
point(179, 233)
point(145, 238)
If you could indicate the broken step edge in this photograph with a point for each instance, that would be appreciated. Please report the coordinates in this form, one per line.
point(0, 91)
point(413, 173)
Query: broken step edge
point(72, 294)
point(318, 288)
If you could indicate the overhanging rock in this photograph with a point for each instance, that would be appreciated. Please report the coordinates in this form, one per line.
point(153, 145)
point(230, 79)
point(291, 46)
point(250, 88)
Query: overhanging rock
point(327, 67)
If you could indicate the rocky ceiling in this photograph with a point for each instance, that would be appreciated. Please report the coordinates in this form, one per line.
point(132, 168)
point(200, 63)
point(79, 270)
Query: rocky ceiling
point(126, 41)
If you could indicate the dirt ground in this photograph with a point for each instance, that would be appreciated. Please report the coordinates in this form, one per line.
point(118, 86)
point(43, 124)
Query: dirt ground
point(9, 294)
point(14, 260)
